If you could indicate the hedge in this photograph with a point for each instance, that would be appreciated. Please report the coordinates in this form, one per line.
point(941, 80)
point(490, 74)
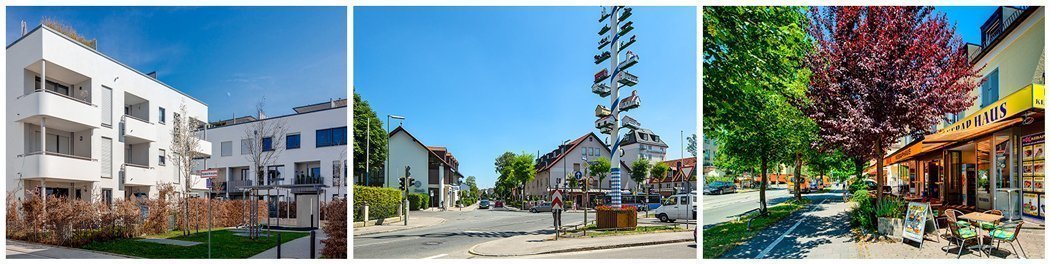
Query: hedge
point(382, 202)
point(334, 247)
point(418, 201)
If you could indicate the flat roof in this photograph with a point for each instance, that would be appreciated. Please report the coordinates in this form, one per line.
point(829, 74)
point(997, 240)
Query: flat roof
point(104, 56)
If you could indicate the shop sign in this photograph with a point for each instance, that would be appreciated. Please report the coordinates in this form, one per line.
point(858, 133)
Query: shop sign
point(1017, 102)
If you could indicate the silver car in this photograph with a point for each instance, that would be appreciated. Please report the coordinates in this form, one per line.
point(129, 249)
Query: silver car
point(542, 207)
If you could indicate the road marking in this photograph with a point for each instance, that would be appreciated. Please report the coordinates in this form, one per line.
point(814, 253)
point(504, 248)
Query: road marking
point(781, 238)
point(435, 256)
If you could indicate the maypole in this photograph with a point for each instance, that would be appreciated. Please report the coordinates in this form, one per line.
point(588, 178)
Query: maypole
point(609, 120)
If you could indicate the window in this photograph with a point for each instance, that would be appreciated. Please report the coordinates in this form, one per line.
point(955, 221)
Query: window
point(107, 194)
point(331, 137)
point(226, 148)
point(291, 141)
point(990, 88)
point(246, 147)
point(160, 158)
point(267, 143)
point(161, 117)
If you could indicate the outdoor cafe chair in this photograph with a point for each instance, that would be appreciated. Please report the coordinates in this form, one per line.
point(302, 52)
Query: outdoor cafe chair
point(1008, 233)
point(960, 233)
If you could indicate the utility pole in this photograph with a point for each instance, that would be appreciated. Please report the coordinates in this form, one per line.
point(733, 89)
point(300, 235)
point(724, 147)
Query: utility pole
point(368, 147)
point(610, 123)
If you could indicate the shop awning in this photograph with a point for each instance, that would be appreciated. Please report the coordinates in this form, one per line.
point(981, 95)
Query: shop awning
point(911, 151)
point(966, 134)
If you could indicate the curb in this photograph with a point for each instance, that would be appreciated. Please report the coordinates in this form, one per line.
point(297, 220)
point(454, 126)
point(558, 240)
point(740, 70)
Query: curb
point(80, 249)
point(580, 249)
point(402, 229)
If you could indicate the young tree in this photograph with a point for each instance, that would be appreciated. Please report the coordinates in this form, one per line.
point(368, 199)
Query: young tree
point(600, 168)
point(183, 153)
point(369, 140)
point(750, 87)
point(659, 171)
point(522, 170)
point(640, 172)
point(882, 72)
point(262, 139)
point(690, 145)
point(504, 183)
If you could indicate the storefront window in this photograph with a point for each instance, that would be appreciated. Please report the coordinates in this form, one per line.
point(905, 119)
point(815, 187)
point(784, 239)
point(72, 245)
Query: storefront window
point(983, 165)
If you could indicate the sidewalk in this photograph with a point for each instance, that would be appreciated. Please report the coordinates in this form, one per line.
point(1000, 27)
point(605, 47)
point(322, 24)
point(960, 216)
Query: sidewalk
point(413, 222)
point(822, 231)
point(525, 245)
point(25, 250)
point(296, 249)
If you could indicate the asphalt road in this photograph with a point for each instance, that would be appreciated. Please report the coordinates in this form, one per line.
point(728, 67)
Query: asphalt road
point(684, 250)
point(726, 207)
point(453, 238)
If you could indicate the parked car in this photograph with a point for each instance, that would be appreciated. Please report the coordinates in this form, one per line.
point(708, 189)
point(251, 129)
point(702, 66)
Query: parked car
point(720, 188)
point(498, 204)
point(542, 207)
point(484, 204)
point(678, 206)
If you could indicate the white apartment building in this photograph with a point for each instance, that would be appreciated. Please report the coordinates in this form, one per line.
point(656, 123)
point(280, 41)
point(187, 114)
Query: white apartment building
point(83, 125)
point(434, 168)
point(563, 162)
point(642, 144)
point(310, 160)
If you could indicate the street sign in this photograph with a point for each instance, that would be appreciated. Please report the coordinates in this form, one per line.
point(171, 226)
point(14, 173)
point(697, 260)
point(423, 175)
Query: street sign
point(579, 175)
point(209, 174)
point(556, 200)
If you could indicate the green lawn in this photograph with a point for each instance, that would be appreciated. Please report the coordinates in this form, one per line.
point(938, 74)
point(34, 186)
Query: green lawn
point(722, 237)
point(224, 245)
point(638, 230)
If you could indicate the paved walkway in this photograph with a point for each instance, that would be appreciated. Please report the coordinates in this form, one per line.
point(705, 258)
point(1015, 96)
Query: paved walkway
point(295, 249)
point(25, 250)
point(413, 222)
point(822, 231)
point(526, 245)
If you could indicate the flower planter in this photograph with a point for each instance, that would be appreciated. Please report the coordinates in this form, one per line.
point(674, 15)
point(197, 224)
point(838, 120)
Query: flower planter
point(890, 226)
point(609, 218)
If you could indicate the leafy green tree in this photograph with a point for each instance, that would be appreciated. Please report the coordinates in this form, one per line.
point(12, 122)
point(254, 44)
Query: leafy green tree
point(753, 80)
point(640, 172)
point(522, 170)
point(659, 171)
point(369, 138)
point(600, 168)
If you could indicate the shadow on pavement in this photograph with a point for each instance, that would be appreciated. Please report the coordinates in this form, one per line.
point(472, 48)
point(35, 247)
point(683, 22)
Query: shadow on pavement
point(487, 234)
point(813, 232)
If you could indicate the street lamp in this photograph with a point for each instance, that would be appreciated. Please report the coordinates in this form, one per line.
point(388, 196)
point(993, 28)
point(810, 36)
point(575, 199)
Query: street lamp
point(386, 170)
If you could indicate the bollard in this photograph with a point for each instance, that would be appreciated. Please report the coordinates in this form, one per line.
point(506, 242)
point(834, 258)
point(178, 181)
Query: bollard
point(311, 220)
point(365, 213)
point(313, 235)
point(278, 245)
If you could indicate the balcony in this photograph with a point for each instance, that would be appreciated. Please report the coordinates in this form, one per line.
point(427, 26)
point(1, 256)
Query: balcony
point(137, 130)
point(57, 166)
point(203, 148)
point(139, 175)
point(234, 186)
point(53, 106)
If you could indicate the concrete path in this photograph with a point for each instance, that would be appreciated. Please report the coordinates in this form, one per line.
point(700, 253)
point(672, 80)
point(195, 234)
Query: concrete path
point(171, 242)
point(295, 249)
point(25, 250)
point(537, 244)
point(727, 207)
point(413, 222)
point(684, 250)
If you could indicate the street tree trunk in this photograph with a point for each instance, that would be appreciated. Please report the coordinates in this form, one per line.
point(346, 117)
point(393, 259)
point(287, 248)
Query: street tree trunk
point(798, 177)
point(762, 186)
point(880, 177)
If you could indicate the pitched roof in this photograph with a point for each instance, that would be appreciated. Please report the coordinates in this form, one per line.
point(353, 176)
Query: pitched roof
point(635, 136)
point(572, 146)
point(435, 155)
point(688, 166)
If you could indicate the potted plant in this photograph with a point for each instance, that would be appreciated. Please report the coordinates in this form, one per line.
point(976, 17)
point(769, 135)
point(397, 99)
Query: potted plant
point(890, 214)
point(609, 217)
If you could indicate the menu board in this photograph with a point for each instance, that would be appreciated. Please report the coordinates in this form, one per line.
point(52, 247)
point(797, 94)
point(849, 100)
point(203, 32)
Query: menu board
point(915, 221)
point(1032, 174)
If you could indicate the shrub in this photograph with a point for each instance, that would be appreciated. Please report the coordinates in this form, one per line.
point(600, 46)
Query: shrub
point(863, 212)
point(890, 206)
point(418, 201)
point(335, 227)
point(382, 202)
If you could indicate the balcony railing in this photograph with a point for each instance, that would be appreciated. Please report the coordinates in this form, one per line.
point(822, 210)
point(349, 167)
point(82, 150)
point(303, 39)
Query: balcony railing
point(58, 94)
point(59, 154)
point(137, 165)
point(308, 179)
point(136, 118)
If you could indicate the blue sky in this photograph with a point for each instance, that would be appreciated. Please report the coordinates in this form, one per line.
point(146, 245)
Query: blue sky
point(227, 57)
point(485, 80)
point(968, 20)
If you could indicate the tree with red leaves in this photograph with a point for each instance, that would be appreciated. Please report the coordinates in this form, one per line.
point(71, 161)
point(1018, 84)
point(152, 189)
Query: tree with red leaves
point(882, 72)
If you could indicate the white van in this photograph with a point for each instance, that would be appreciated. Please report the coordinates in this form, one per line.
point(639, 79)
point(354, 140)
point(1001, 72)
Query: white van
point(678, 206)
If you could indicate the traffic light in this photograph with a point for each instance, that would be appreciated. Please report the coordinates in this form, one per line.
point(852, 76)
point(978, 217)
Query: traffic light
point(411, 181)
point(401, 182)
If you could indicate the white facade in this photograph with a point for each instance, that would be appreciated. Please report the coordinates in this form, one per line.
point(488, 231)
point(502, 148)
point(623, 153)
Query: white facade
point(433, 168)
point(590, 147)
point(310, 158)
point(106, 127)
point(405, 152)
point(643, 144)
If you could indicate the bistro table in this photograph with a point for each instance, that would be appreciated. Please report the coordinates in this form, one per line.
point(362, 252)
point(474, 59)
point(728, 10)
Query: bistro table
point(975, 217)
